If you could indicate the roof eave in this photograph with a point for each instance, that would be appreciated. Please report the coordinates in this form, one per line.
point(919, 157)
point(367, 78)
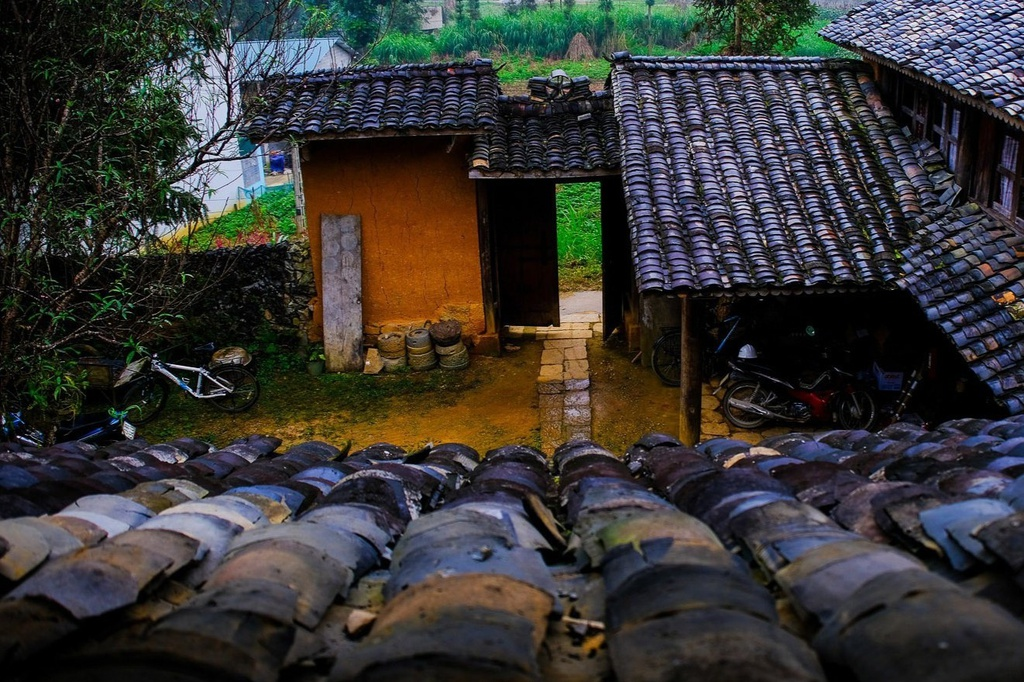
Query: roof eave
point(375, 134)
point(980, 104)
point(559, 174)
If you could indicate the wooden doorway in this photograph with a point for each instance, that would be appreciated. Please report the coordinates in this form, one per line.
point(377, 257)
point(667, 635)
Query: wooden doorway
point(522, 215)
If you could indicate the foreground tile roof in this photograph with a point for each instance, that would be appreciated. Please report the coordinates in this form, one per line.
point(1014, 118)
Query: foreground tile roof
point(549, 138)
point(761, 173)
point(965, 272)
point(835, 556)
point(975, 47)
point(376, 101)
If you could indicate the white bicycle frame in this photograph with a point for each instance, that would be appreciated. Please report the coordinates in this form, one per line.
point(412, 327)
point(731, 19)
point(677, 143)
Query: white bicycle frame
point(223, 387)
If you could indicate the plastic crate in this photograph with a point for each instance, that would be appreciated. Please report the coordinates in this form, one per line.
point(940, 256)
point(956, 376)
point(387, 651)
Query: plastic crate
point(887, 381)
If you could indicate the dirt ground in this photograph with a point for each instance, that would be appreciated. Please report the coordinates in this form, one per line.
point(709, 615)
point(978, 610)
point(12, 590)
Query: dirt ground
point(497, 405)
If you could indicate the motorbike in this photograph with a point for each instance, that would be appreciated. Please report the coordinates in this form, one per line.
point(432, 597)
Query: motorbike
point(98, 428)
point(758, 394)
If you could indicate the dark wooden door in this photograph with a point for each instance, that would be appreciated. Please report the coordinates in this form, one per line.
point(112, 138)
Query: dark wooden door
point(522, 215)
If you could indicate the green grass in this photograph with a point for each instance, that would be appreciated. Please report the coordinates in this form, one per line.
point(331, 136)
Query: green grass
point(810, 44)
point(515, 70)
point(546, 34)
point(267, 219)
point(578, 207)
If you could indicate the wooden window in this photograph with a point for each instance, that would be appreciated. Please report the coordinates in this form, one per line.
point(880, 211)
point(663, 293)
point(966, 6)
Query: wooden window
point(914, 105)
point(947, 133)
point(1007, 189)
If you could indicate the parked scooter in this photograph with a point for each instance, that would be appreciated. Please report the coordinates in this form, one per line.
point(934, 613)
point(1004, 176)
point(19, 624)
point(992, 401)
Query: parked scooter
point(98, 428)
point(759, 394)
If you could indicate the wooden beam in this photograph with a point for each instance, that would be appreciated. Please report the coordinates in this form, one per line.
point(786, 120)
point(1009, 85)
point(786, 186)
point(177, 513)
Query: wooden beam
point(342, 267)
point(690, 379)
point(487, 275)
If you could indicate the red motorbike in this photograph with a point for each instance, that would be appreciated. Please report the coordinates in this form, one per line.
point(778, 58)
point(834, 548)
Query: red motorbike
point(760, 394)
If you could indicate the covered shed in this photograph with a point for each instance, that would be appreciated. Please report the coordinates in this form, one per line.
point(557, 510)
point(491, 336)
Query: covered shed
point(760, 176)
point(954, 74)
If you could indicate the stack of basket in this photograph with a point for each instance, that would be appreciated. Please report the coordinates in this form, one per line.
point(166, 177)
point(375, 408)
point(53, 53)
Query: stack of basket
point(420, 348)
point(392, 350)
point(451, 353)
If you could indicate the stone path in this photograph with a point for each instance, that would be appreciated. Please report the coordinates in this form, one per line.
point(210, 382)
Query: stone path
point(563, 386)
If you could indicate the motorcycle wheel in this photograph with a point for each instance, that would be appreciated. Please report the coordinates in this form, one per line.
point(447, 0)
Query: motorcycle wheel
point(747, 391)
point(144, 399)
point(856, 410)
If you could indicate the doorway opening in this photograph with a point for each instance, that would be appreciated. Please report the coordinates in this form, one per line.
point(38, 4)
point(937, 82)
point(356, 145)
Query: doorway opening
point(578, 211)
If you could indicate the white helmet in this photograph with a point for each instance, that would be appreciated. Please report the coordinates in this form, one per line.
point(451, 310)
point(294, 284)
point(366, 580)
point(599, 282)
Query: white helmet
point(748, 352)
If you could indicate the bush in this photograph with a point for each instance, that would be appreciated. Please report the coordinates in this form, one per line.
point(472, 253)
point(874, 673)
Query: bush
point(547, 32)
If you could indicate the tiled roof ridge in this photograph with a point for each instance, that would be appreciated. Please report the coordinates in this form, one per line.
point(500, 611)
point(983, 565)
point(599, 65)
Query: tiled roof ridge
point(737, 63)
point(368, 71)
point(525, 105)
point(378, 100)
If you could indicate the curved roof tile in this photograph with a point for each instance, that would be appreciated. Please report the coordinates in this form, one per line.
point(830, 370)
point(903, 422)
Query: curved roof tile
point(375, 101)
point(973, 46)
point(761, 173)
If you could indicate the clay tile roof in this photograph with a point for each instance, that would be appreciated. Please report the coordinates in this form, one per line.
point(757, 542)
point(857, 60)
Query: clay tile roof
point(761, 173)
point(377, 101)
point(777, 562)
point(975, 47)
point(966, 274)
point(545, 138)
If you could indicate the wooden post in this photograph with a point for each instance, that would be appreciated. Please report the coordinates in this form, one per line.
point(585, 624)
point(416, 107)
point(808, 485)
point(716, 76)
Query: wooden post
point(487, 278)
point(689, 378)
point(342, 267)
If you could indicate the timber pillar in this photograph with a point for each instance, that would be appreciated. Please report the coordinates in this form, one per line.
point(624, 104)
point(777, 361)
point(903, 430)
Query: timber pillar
point(689, 372)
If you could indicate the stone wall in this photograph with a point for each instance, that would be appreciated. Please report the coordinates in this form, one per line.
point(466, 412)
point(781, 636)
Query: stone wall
point(254, 288)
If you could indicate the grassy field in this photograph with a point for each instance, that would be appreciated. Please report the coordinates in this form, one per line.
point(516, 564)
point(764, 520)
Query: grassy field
point(267, 219)
point(579, 236)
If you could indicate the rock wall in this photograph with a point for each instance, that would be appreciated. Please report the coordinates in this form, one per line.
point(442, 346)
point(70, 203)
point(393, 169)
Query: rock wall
point(254, 287)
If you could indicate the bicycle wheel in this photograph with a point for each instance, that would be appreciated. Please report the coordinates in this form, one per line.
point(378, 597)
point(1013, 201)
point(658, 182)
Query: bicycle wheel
point(747, 391)
point(665, 358)
point(144, 399)
point(245, 389)
point(856, 410)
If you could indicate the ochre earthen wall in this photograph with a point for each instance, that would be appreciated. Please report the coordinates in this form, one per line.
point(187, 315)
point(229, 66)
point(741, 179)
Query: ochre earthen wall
point(421, 251)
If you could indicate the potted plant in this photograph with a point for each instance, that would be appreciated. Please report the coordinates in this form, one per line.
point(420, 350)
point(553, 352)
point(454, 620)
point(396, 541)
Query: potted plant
point(315, 360)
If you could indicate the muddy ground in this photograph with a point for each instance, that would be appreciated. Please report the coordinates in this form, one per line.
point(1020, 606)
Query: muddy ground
point(492, 403)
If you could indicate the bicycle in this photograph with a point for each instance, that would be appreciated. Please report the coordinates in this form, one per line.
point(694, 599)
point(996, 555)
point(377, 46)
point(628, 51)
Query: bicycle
point(666, 354)
point(230, 387)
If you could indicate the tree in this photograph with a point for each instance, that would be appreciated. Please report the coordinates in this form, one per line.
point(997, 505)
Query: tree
point(757, 26)
point(105, 132)
point(364, 22)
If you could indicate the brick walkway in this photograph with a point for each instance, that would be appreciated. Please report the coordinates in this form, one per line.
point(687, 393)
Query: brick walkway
point(563, 385)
